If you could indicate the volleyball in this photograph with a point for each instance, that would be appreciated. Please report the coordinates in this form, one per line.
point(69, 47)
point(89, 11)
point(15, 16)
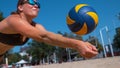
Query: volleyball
point(82, 19)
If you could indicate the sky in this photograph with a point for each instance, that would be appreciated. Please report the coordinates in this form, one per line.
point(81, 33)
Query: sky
point(53, 14)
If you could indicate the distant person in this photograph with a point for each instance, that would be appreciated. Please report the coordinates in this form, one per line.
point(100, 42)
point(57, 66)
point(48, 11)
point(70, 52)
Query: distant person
point(17, 28)
point(14, 65)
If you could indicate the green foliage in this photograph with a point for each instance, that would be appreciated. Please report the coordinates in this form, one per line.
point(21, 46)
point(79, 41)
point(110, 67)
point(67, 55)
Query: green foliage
point(1, 16)
point(14, 57)
point(116, 40)
point(25, 57)
point(39, 50)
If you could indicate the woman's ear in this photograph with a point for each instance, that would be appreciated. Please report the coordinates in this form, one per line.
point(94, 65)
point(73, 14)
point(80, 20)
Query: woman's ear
point(20, 8)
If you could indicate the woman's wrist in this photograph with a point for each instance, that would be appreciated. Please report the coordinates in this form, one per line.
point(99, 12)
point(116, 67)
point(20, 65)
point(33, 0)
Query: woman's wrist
point(75, 44)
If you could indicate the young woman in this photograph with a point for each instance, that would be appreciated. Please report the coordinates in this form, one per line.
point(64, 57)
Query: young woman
point(17, 28)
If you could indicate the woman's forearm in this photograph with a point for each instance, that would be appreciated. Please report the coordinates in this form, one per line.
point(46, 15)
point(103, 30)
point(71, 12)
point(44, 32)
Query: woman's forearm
point(59, 40)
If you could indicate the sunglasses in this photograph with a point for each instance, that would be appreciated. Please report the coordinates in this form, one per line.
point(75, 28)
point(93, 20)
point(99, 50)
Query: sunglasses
point(32, 2)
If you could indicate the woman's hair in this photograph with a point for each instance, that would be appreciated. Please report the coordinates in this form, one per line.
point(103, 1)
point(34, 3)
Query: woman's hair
point(20, 2)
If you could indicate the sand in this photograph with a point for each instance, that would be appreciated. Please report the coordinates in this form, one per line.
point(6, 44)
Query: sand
point(111, 62)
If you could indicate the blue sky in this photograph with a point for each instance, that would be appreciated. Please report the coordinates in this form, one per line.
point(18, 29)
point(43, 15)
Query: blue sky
point(53, 14)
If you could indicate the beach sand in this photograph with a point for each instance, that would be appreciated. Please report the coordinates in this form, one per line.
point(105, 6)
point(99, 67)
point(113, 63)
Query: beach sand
point(111, 62)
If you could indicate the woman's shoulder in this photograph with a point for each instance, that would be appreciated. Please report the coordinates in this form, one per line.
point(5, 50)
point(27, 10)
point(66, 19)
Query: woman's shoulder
point(13, 18)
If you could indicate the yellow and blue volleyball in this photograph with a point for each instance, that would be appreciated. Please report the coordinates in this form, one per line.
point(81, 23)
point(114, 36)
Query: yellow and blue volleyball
point(82, 19)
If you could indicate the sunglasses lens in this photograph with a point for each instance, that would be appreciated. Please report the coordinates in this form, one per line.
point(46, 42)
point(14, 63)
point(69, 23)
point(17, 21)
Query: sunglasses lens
point(32, 2)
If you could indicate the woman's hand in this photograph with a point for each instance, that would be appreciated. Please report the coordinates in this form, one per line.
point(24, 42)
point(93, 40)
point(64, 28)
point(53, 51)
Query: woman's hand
point(87, 50)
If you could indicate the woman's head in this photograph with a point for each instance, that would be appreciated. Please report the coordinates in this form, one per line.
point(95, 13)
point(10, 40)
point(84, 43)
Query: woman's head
point(27, 6)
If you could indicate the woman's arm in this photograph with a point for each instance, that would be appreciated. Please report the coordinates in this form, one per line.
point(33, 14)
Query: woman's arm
point(38, 33)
